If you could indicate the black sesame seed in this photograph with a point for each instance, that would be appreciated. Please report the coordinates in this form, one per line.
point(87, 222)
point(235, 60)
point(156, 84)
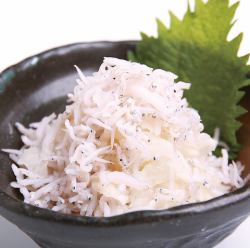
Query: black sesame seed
point(121, 159)
point(149, 140)
point(174, 91)
point(154, 158)
point(114, 78)
point(106, 68)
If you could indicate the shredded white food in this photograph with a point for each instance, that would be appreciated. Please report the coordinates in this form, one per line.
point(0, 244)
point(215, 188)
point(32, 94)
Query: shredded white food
point(128, 141)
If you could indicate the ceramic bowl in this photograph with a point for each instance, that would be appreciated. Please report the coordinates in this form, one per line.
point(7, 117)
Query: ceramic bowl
point(36, 87)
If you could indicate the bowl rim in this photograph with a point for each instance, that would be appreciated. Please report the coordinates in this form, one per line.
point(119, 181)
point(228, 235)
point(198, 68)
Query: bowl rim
point(9, 204)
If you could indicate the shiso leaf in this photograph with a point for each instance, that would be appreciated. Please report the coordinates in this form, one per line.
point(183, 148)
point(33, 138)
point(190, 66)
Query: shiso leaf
point(197, 50)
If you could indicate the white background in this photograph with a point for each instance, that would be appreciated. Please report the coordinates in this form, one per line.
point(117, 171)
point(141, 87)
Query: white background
point(28, 27)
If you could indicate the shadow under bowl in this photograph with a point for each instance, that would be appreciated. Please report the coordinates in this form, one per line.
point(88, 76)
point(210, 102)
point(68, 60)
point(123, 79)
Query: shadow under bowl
point(38, 86)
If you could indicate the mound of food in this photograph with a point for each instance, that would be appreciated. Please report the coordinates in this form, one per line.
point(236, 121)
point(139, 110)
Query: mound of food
point(127, 141)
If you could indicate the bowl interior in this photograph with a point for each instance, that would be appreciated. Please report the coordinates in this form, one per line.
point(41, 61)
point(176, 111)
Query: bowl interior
point(38, 86)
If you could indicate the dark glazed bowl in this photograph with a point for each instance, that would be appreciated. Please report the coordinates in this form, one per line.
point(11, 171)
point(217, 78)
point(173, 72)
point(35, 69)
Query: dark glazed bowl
point(36, 87)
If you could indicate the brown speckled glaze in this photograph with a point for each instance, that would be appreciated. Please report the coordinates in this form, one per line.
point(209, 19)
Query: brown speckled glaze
point(36, 87)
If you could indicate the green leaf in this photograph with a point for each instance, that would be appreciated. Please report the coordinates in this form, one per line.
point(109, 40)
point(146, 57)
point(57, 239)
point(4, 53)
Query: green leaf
point(197, 50)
